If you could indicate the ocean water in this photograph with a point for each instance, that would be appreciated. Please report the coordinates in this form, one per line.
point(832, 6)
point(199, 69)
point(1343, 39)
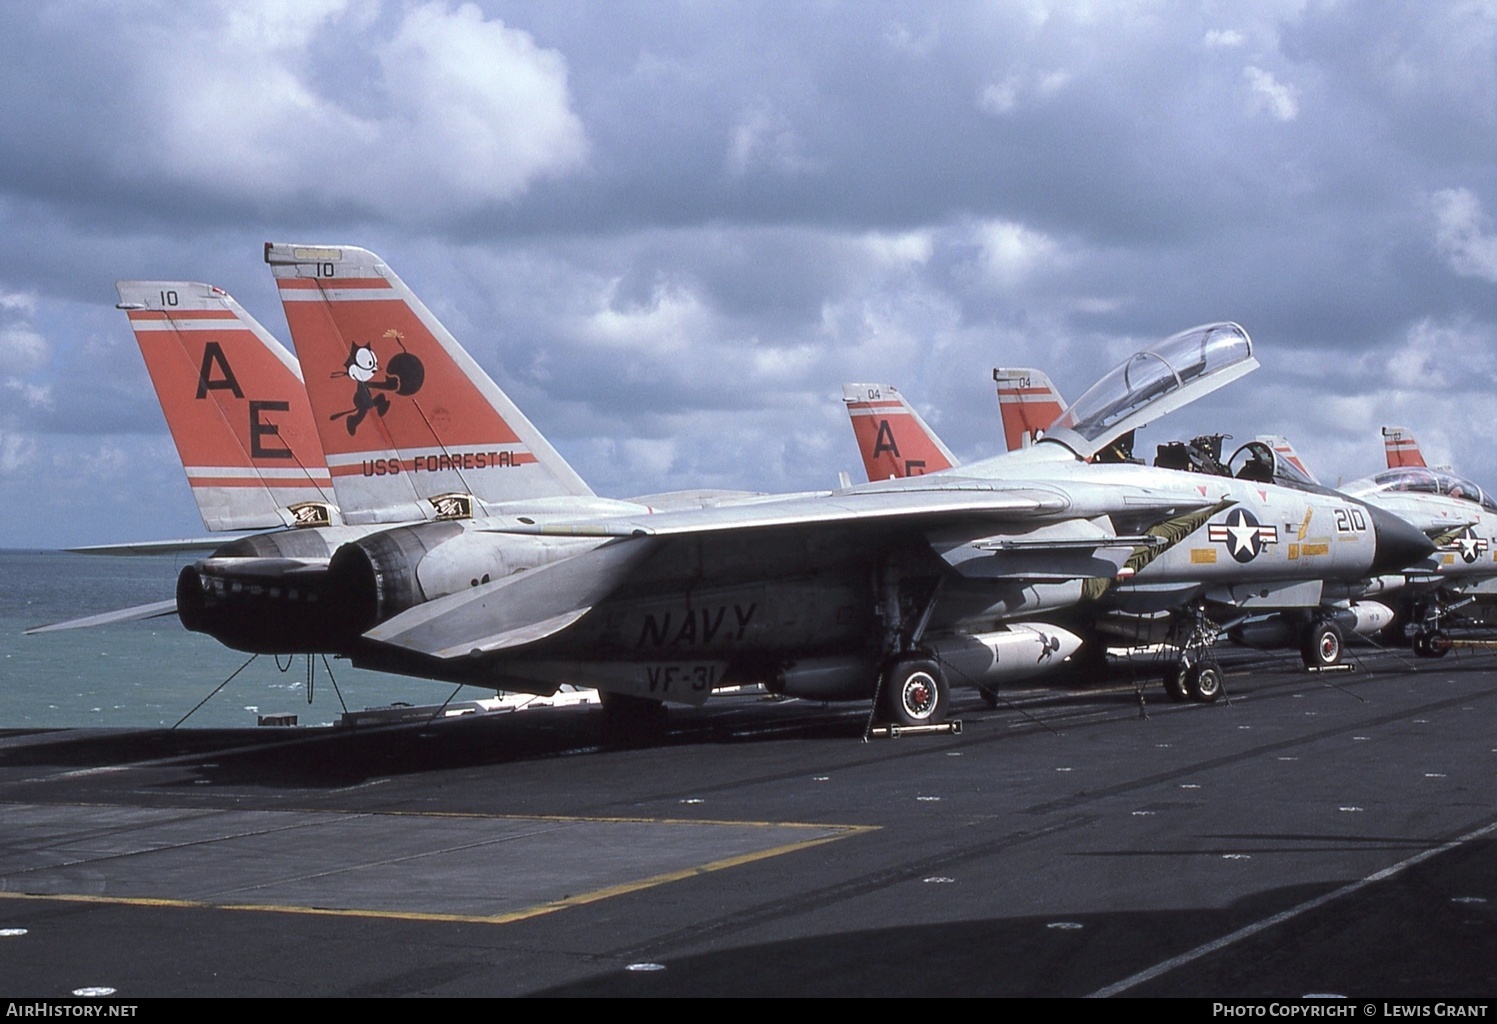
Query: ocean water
point(151, 673)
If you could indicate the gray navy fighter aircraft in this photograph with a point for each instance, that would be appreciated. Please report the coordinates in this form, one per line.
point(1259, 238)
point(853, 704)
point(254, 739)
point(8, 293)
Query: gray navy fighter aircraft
point(508, 573)
point(1272, 553)
point(1460, 519)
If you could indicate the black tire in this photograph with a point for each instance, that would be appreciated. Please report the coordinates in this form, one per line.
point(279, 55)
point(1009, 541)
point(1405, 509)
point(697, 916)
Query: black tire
point(1323, 645)
point(1431, 644)
point(1203, 683)
point(915, 693)
point(989, 695)
point(1174, 681)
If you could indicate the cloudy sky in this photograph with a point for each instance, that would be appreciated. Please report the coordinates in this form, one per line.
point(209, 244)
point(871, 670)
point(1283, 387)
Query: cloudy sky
point(672, 230)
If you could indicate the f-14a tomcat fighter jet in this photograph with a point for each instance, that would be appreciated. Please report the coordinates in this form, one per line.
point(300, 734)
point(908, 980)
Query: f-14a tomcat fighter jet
point(890, 591)
point(1459, 517)
point(1263, 543)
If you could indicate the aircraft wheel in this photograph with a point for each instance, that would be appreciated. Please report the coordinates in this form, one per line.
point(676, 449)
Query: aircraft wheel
point(1323, 645)
point(915, 693)
point(1432, 644)
point(1203, 683)
point(989, 695)
point(1174, 681)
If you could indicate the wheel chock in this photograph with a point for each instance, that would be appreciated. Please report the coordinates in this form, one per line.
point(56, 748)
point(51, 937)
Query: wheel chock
point(893, 732)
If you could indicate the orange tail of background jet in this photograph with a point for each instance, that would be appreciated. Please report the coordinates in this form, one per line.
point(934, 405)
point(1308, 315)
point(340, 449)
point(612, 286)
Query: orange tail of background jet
point(892, 438)
point(235, 404)
point(1401, 448)
point(1028, 403)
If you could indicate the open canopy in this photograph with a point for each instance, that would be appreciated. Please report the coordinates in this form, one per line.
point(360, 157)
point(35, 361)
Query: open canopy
point(1150, 383)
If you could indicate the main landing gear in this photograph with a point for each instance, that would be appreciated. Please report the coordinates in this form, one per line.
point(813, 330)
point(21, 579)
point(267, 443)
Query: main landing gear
point(1431, 643)
point(1323, 646)
point(914, 692)
point(1201, 682)
point(912, 689)
point(1425, 627)
point(1196, 675)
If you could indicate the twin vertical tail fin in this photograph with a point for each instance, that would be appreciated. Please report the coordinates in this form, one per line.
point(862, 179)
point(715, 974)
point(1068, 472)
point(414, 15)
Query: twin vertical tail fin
point(1401, 448)
point(235, 404)
point(1028, 403)
point(413, 428)
point(892, 438)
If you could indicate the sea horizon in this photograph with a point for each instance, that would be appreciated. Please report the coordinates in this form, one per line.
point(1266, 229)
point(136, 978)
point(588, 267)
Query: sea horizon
point(151, 673)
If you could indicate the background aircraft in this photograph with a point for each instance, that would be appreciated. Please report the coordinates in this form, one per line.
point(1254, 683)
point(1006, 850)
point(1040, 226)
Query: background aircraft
point(1461, 520)
point(1314, 591)
point(1401, 449)
point(1028, 403)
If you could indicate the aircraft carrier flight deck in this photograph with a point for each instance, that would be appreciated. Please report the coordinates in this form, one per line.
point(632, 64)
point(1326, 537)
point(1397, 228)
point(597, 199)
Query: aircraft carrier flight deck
point(1330, 834)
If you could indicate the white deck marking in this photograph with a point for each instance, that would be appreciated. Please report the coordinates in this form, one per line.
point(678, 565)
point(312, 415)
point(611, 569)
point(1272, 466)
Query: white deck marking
point(1287, 915)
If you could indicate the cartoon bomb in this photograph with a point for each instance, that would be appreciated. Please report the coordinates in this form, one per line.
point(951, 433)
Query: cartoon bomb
point(404, 377)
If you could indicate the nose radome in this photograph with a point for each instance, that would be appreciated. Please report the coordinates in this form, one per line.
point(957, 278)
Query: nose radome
point(1398, 543)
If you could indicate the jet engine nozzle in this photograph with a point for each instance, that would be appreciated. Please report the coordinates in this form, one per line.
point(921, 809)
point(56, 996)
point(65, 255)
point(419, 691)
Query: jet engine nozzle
point(263, 606)
point(379, 576)
point(375, 577)
point(1399, 544)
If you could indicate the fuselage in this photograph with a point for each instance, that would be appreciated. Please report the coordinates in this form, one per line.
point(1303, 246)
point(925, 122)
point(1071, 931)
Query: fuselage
point(720, 606)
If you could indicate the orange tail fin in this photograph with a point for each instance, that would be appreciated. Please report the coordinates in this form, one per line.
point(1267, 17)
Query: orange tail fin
point(1401, 448)
point(235, 404)
point(413, 427)
point(1028, 403)
point(892, 438)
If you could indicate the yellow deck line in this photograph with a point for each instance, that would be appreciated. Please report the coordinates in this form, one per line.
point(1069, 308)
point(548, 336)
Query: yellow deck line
point(842, 832)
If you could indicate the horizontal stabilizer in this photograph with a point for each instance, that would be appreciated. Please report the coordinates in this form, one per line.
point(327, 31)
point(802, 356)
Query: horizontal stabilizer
point(518, 609)
point(519, 636)
point(184, 546)
point(269, 569)
point(154, 610)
